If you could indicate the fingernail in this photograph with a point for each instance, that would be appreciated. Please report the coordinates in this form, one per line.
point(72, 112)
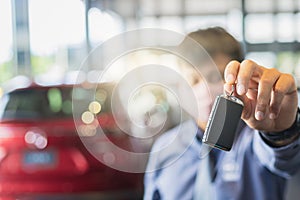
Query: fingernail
point(229, 78)
point(241, 89)
point(259, 115)
point(272, 116)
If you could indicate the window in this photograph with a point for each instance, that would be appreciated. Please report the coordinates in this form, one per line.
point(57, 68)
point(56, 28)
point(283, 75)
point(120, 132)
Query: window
point(57, 36)
point(285, 27)
point(267, 59)
point(100, 21)
point(259, 28)
point(6, 54)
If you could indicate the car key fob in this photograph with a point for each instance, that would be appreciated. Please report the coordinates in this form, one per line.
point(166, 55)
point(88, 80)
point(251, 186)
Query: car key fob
point(223, 121)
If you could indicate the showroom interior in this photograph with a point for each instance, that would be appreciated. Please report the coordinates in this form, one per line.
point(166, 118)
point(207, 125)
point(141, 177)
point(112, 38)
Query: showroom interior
point(59, 62)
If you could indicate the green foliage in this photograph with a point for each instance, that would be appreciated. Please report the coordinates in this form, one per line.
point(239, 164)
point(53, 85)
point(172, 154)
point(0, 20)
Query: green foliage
point(41, 64)
point(6, 71)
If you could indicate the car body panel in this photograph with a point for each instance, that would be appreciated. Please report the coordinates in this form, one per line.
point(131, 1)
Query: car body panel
point(46, 156)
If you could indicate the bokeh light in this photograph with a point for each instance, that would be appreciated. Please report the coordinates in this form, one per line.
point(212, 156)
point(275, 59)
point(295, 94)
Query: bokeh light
point(95, 107)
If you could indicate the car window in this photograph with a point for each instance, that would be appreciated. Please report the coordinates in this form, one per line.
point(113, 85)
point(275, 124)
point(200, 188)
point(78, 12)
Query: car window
point(36, 103)
point(47, 103)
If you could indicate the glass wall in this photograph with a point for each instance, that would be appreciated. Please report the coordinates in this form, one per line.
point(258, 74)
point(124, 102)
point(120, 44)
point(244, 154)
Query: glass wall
point(62, 33)
point(7, 70)
point(57, 36)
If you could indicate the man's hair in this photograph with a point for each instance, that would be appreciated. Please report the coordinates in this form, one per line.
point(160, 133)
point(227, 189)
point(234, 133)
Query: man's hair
point(216, 40)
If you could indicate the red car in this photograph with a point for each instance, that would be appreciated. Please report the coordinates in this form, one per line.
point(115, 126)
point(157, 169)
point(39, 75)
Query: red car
point(42, 156)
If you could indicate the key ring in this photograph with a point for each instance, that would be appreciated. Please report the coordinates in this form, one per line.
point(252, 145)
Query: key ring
point(232, 91)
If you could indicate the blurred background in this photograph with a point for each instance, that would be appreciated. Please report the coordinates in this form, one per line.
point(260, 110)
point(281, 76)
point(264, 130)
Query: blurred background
point(45, 42)
point(53, 37)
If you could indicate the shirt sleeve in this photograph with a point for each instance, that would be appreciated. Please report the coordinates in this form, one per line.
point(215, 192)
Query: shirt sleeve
point(283, 161)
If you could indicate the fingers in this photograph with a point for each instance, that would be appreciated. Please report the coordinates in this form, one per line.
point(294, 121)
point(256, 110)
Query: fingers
point(231, 72)
point(245, 74)
point(241, 74)
point(265, 88)
point(284, 85)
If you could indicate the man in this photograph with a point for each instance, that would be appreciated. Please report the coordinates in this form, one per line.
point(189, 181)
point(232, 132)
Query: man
point(266, 151)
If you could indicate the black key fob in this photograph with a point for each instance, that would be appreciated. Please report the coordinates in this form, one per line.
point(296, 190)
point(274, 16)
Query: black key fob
point(223, 121)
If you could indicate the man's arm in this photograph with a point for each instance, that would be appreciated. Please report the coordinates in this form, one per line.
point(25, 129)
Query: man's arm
point(283, 161)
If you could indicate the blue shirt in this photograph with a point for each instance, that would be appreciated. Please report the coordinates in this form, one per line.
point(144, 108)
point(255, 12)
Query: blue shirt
point(251, 170)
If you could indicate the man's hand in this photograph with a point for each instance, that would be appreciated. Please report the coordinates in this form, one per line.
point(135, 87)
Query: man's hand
point(270, 97)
